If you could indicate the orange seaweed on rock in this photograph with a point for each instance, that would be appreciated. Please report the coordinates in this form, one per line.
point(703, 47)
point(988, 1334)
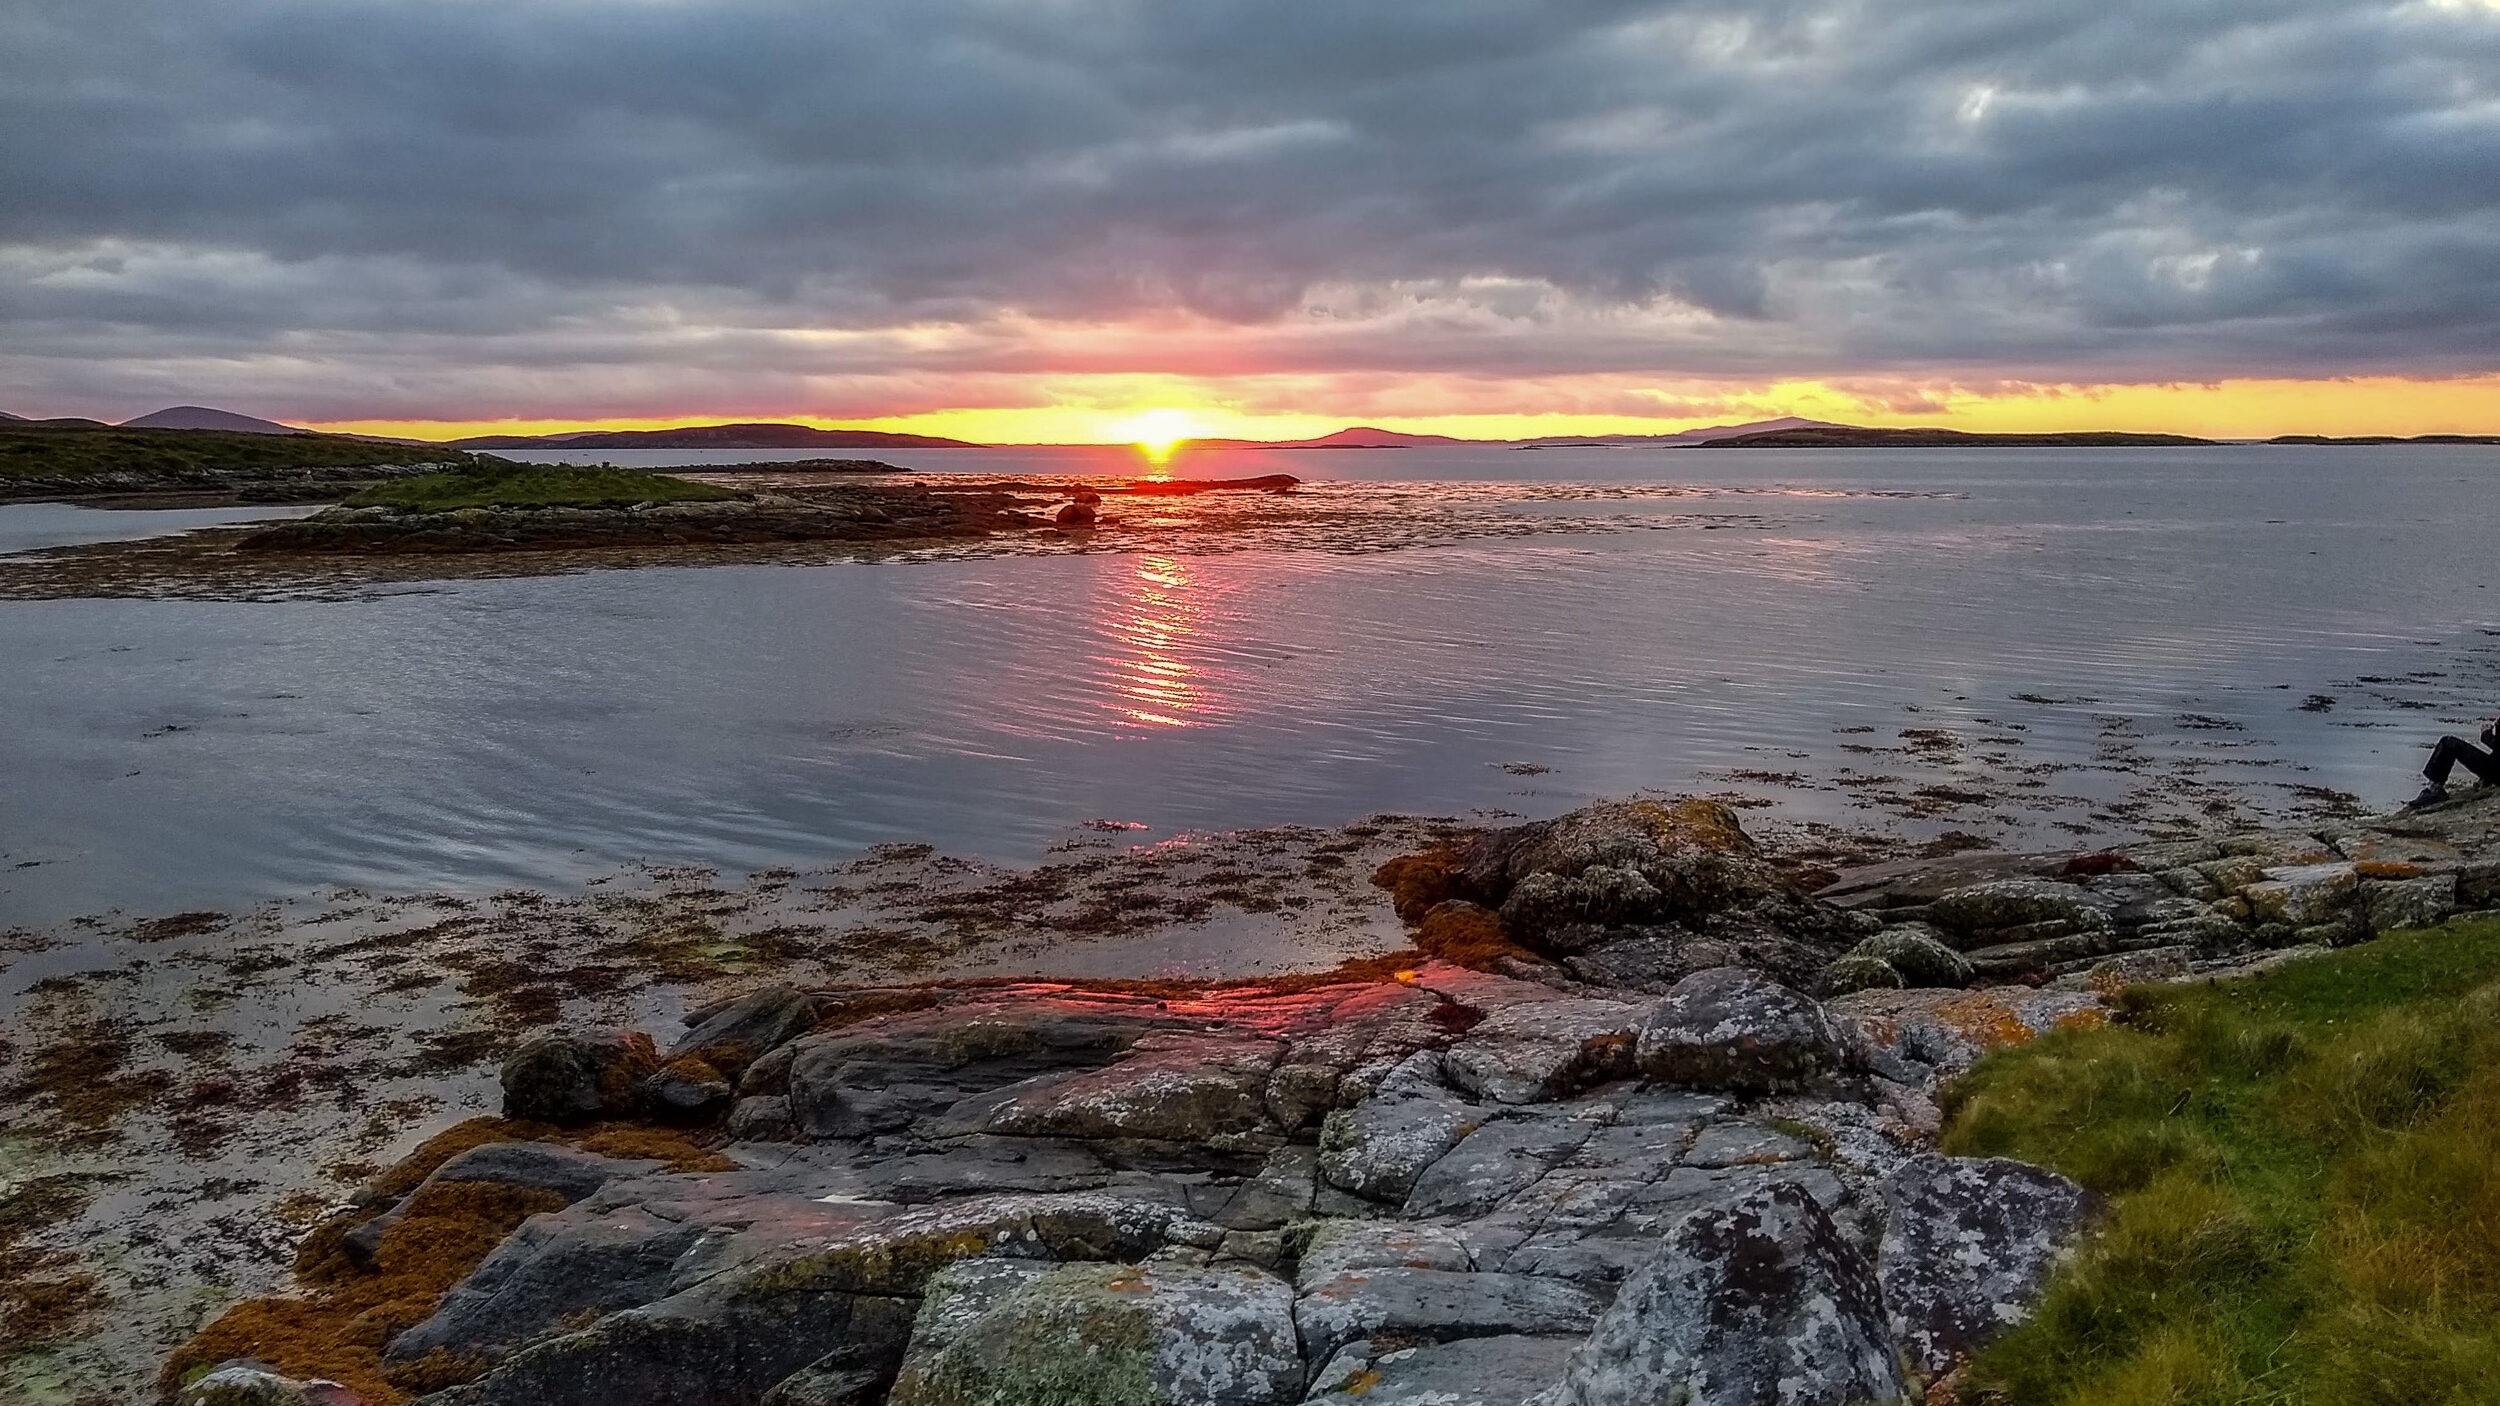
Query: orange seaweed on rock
point(1465, 935)
point(340, 1329)
point(1419, 882)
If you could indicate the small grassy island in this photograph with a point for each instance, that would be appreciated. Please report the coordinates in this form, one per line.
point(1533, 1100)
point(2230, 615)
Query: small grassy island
point(2303, 1172)
point(74, 462)
point(489, 482)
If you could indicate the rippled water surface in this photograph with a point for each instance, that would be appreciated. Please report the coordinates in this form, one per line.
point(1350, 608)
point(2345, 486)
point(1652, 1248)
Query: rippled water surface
point(2015, 644)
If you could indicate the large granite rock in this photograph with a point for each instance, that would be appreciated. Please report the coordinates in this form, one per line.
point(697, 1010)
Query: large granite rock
point(535, 1166)
point(1968, 1243)
point(1154, 1334)
point(1171, 1087)
point(881, 1076)
point(1639, 894)
point(1730, 1028)
point(1760, 1303)
point(735, 1034)
point(730, 1336)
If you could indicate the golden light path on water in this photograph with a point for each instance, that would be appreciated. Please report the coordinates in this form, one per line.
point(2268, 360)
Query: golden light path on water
point(1159, 614)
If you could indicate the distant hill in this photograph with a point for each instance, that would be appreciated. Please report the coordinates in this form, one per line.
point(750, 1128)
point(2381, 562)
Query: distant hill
point(2385, 439)
point(1357, 437)
point(201, 417)
point(1862, 437)
point(769, 436)
point(1679, 438)
point(5, 415)
point(1370, 437)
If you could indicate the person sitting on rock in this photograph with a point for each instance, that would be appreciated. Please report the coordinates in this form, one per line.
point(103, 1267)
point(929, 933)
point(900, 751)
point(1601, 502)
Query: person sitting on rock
point(2451, 750)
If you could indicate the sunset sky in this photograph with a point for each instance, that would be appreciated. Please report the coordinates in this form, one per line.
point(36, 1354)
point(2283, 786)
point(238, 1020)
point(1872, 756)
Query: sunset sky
point(1075, 220)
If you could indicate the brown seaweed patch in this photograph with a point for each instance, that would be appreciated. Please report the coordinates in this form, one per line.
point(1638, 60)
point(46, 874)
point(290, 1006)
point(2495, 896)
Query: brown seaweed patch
point(39, 1303)
point(80, 1077)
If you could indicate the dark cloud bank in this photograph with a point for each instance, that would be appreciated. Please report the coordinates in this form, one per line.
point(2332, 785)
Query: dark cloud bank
point(369, 206)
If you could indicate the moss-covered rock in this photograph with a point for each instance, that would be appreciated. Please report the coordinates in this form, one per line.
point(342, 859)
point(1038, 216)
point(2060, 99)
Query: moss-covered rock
point(1158, 1334)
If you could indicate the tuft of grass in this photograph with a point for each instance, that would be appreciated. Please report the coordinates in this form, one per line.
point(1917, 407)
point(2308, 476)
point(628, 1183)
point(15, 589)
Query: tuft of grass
point(499, 483)
point(2303, 1171)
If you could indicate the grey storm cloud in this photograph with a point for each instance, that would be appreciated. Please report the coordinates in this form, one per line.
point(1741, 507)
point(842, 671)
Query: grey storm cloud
point(2129, 189)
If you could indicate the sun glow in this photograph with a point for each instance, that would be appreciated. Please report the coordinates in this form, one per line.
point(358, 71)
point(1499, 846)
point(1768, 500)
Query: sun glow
point(1159, 431)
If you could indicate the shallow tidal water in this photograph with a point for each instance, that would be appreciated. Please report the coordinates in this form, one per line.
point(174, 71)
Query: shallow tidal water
point(2027, 646)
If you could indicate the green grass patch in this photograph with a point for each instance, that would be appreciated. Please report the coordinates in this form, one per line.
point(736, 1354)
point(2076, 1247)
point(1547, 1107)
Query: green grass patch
point(499, 483)
point(2303, 1171)
point(74, 453)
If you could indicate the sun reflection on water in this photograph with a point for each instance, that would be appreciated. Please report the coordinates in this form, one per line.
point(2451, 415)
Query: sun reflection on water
point(1159, 616)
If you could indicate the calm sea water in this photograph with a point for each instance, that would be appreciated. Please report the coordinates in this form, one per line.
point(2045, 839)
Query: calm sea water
point(2111, 635)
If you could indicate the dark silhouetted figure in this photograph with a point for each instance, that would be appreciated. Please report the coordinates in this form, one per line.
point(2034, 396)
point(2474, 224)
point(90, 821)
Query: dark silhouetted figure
point(2448, 753)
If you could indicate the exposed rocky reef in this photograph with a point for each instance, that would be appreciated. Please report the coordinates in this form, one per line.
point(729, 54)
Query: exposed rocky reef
point(1632, 1161)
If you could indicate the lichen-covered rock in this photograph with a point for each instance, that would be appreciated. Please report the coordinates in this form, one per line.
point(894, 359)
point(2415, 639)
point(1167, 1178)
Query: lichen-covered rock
point(1678, 842)
point(2305, 895)
point(1918, 953)
point(1498, 1159)
point(2014, 903)
point(1853, 971)
point(1437, 1305)
point(243, 1382)
point(1156, 1334)
point(1496, 1371)
point(1968, 1242)
point(1729, 1028)
point(737, 1033)
point(1545, 1049)
point(1169, 1087)
point(1546, 906)
point(1379, 1147)
point(1760, 1303)
point(2408, 903)
point(568, 1076)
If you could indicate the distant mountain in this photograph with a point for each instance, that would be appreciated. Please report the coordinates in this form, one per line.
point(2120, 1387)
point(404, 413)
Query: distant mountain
point(201, 417)
point(1358, 437)
point(716, 437)
point(1679, 438)
point(1862, 437)
point(5, 415)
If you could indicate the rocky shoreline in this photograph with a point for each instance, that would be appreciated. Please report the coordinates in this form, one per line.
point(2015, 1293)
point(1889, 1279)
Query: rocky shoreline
point(1642, 1118)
